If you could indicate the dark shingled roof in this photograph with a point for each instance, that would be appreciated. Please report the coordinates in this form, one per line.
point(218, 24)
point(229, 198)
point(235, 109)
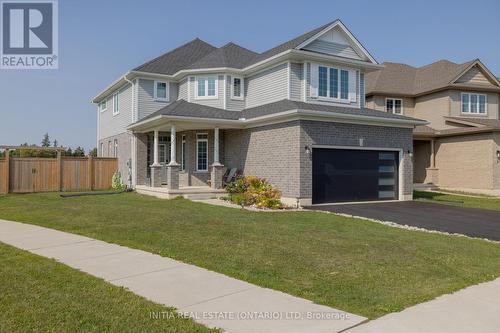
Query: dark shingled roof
point(177, 59)
point(230, 55)
point(186, 109)
point(286, 104)
point(199, 54)
point(406, 80)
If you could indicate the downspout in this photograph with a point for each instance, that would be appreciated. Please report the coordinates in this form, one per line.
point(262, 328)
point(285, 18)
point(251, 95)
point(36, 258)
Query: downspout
point(132, 161)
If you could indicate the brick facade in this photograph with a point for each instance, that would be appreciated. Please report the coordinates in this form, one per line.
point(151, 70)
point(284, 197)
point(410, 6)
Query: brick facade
point(277, 152)
point(339, 134)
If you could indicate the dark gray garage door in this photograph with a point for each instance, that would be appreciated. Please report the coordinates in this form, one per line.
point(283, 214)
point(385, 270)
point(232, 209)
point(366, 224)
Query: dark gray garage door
point(342, 175)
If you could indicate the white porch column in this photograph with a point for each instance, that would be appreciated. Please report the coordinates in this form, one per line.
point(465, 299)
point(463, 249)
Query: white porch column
point(173, 145)
point(156, 149)
point(216, 146)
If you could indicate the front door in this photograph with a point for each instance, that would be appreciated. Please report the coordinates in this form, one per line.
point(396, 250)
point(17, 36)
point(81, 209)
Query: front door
point(164, 157)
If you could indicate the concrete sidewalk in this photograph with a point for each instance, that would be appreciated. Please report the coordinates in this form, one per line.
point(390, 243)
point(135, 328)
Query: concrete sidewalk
point(471, 310)
point(210, 298)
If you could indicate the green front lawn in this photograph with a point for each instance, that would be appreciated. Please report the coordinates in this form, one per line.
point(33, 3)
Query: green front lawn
point(41, 295)
point(483, 202)
point(350, 264)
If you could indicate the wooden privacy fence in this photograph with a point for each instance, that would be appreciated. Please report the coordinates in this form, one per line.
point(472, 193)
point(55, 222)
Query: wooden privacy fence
point(23, 175)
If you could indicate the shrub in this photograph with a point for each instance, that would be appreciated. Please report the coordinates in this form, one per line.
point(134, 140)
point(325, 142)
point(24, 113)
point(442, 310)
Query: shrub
point(116, 181)
point(254, 191)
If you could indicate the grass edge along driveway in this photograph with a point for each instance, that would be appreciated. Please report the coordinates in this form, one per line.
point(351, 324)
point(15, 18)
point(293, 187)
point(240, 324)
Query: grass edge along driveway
point(354, 265)
point(482, 202)
point(42, 295)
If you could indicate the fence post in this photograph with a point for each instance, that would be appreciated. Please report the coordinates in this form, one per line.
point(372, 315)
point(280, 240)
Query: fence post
point(59, 171)
point(7, 171)
point(91, 172)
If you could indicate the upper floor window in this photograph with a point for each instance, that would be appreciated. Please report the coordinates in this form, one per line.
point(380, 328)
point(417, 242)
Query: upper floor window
point(116, 110)
point(394, 105)
point(161, 91)
point(206, 86)
point(103, 105)
point(333, 83)
point(473, 103)
point(237, 88)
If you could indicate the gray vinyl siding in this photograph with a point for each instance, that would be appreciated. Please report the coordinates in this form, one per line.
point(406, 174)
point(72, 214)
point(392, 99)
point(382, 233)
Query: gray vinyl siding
point(268, 86)
point(358, 95)
point(110, 125)
point(183, 89)
point(145, 97)
point(296, 81)
point(325, 47)
point(232, 104)
point(216, 103)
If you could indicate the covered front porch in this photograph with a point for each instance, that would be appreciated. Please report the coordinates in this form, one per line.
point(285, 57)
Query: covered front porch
point(181, 158)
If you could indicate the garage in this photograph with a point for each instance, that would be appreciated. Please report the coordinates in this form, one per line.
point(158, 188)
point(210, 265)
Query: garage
point(347, 175)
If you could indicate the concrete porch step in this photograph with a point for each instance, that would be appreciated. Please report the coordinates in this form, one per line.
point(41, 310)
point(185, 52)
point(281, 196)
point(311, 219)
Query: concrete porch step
point(201, 196)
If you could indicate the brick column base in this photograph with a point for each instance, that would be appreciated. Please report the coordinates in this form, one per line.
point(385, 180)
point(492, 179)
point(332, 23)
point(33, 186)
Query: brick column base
point(156, 175)
point(173, 176)
point(216, 175)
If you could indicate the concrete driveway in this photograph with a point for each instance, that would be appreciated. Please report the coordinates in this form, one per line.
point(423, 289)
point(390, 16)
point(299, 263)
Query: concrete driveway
point(472, 222)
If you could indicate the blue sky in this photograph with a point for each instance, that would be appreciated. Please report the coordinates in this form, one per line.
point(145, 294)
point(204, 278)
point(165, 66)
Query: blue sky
point(101, 40)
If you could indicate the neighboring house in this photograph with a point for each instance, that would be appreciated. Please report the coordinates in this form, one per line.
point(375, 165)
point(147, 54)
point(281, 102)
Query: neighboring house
point(294, 115)
point(460, 147)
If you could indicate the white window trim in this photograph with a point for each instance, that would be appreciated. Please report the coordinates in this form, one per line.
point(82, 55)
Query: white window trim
point(183, 143)
point(116, 97)
point(469, 113)
point(105, 101)
point(333, 99)
point(242, 88)
point(167, 91)
point(197, 141)
point(115, 148)
point(394, 105)
point(206, 87)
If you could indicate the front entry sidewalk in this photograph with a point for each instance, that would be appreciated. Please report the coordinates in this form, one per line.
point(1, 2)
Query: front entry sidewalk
point(210, 298)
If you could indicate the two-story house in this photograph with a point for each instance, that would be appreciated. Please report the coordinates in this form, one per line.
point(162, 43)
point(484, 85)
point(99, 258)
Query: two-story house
point(294, 115)
point(460, 147)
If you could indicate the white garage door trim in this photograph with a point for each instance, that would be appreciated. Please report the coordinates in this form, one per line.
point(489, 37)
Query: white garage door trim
point(400, 163)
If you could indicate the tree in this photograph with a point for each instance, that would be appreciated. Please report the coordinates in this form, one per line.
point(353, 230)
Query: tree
point(46, 140)
point(93, 152)
point(79, 152)
point(55, 143)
